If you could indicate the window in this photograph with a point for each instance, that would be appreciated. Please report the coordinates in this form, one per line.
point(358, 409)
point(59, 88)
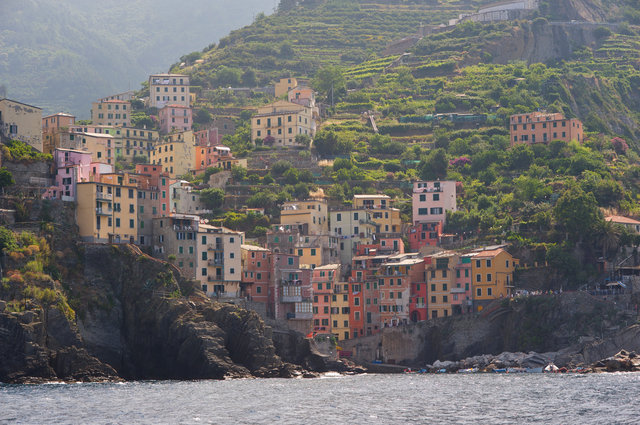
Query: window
point(489, 292)
point(479, 292)
point(444, 286)
point(338, 217)
point(204, 271)
point(478, 277)
point(445, 299)
point(444, 273)
point(488, 277)
point(478, 263)
point(232, 270)
point(290, 261)
point(436, 196)
point(117, 222)
point(132, 223)
point(356, 301)
point(433, 299)
point(488, 263)
point(423, 211)
point(423, 198)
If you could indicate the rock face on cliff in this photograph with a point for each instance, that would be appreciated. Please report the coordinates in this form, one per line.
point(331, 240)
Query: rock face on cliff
point(135, 321)
point(547, 323)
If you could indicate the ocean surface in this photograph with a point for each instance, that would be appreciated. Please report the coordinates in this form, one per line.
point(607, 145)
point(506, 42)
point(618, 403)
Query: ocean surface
point(332, 399)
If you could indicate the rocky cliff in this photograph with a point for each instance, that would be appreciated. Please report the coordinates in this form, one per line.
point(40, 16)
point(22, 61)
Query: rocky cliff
point(137, 318)
point(547, 323)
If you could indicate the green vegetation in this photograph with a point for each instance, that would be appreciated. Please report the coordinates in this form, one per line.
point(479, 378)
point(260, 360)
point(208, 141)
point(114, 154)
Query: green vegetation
point(16, 150)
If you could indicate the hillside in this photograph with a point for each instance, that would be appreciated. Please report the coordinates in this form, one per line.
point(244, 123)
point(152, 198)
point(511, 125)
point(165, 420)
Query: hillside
point(62, 55)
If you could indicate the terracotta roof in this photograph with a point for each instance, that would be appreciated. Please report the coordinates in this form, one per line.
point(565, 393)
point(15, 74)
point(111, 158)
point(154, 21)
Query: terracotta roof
point(489, 253)
point(622, 220)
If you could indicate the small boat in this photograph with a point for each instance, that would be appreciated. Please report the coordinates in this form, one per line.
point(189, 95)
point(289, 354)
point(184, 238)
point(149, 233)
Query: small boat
point(470, 370)
point(442, 371)
point(551, 368)
point(503, 370)
point(533, 369)
point(516, 370)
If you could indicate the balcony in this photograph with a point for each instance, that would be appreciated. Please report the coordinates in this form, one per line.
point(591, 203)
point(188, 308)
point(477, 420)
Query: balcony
point(104, 211)
point(458, 290)
point(291, 298)
point(103, 195)
point(215, 247)
point(300, 316)
point(216, 278)
point(216, 262)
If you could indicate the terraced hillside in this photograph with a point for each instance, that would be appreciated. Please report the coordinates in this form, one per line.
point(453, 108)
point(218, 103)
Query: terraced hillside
point(299, 39)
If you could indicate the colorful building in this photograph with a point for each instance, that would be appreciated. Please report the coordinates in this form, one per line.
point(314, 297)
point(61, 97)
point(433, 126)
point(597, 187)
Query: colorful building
point(492, 274)
point(167, 89)
point(52, 127)
point(351, 227)
point(283, 86)
point(387, 219)
point(107, 210)
point(310, 216)
point(175, 117)
point(282, 121)
point(176, 235)
point(440, 270)
point(175, 153)
point(541, 127)
point(71, 167)
point(340, 312)
point(19, 121)
point(219, 261)
point(323, 281)
point(256, 274)
point(395, 280)
point(115, 113)
point(291, 299)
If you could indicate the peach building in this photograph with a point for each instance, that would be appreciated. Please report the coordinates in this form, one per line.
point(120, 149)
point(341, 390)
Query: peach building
point(52, 127)
point(540, 127)
point(432, 200)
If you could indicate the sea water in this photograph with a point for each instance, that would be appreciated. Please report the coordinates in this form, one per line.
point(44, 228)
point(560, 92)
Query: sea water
point(335, 399)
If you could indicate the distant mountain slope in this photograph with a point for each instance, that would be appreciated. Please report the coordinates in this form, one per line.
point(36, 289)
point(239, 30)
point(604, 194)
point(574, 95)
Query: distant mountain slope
point(61, 55)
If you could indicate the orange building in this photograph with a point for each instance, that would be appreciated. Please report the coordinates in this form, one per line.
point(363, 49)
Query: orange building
point(540, 127)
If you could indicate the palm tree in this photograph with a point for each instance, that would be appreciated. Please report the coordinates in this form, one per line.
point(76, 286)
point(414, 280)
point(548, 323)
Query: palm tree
point(609, 234)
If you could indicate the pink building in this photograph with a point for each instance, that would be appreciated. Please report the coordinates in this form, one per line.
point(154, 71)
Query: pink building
point(302, 96)
point(175, 117)
point(432, 199)
point(208, 137)
point(71, 167)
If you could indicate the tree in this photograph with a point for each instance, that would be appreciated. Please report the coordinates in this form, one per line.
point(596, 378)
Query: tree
point(577, 212)
point(303, 140)
point(434, 165)
point(238, 173)
point(280, 167)
point(212, 198)
point(249, 78)
point(6, 178)
point(330, 82)
point(202, 116)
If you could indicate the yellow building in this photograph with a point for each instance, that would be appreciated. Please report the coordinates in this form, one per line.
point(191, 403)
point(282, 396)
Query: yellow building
point(176, 153)
point(441, 279)
point(310, 216)
point(111, 112)
point(283, 86)
point(219, 260)
point(135, 142)
point(387, 219)
point(20, 121)
point(101, 145)
point(283, 121)
point(107, 210)
point(340, 311)
point(492, 275)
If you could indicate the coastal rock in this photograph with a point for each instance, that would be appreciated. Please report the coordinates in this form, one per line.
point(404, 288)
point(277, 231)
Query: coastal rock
point(76, 364)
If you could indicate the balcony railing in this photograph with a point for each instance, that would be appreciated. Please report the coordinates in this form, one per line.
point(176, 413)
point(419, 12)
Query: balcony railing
point(458, 290)
point(103, 195)
point(215, 247)
point(104, 211)
point(291, 299)
point(216, 262)
point(300, 316)
point(216, 278)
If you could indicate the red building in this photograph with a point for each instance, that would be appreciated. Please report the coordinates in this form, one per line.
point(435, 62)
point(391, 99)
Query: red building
point(395, 280)
point(256, 274)
point(422, 234)
point(323, 281)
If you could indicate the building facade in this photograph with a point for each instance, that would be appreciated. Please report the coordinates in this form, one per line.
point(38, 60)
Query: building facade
point(540, 127)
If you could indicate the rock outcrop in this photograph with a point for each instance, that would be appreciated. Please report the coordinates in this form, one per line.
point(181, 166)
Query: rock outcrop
point(137, 318)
